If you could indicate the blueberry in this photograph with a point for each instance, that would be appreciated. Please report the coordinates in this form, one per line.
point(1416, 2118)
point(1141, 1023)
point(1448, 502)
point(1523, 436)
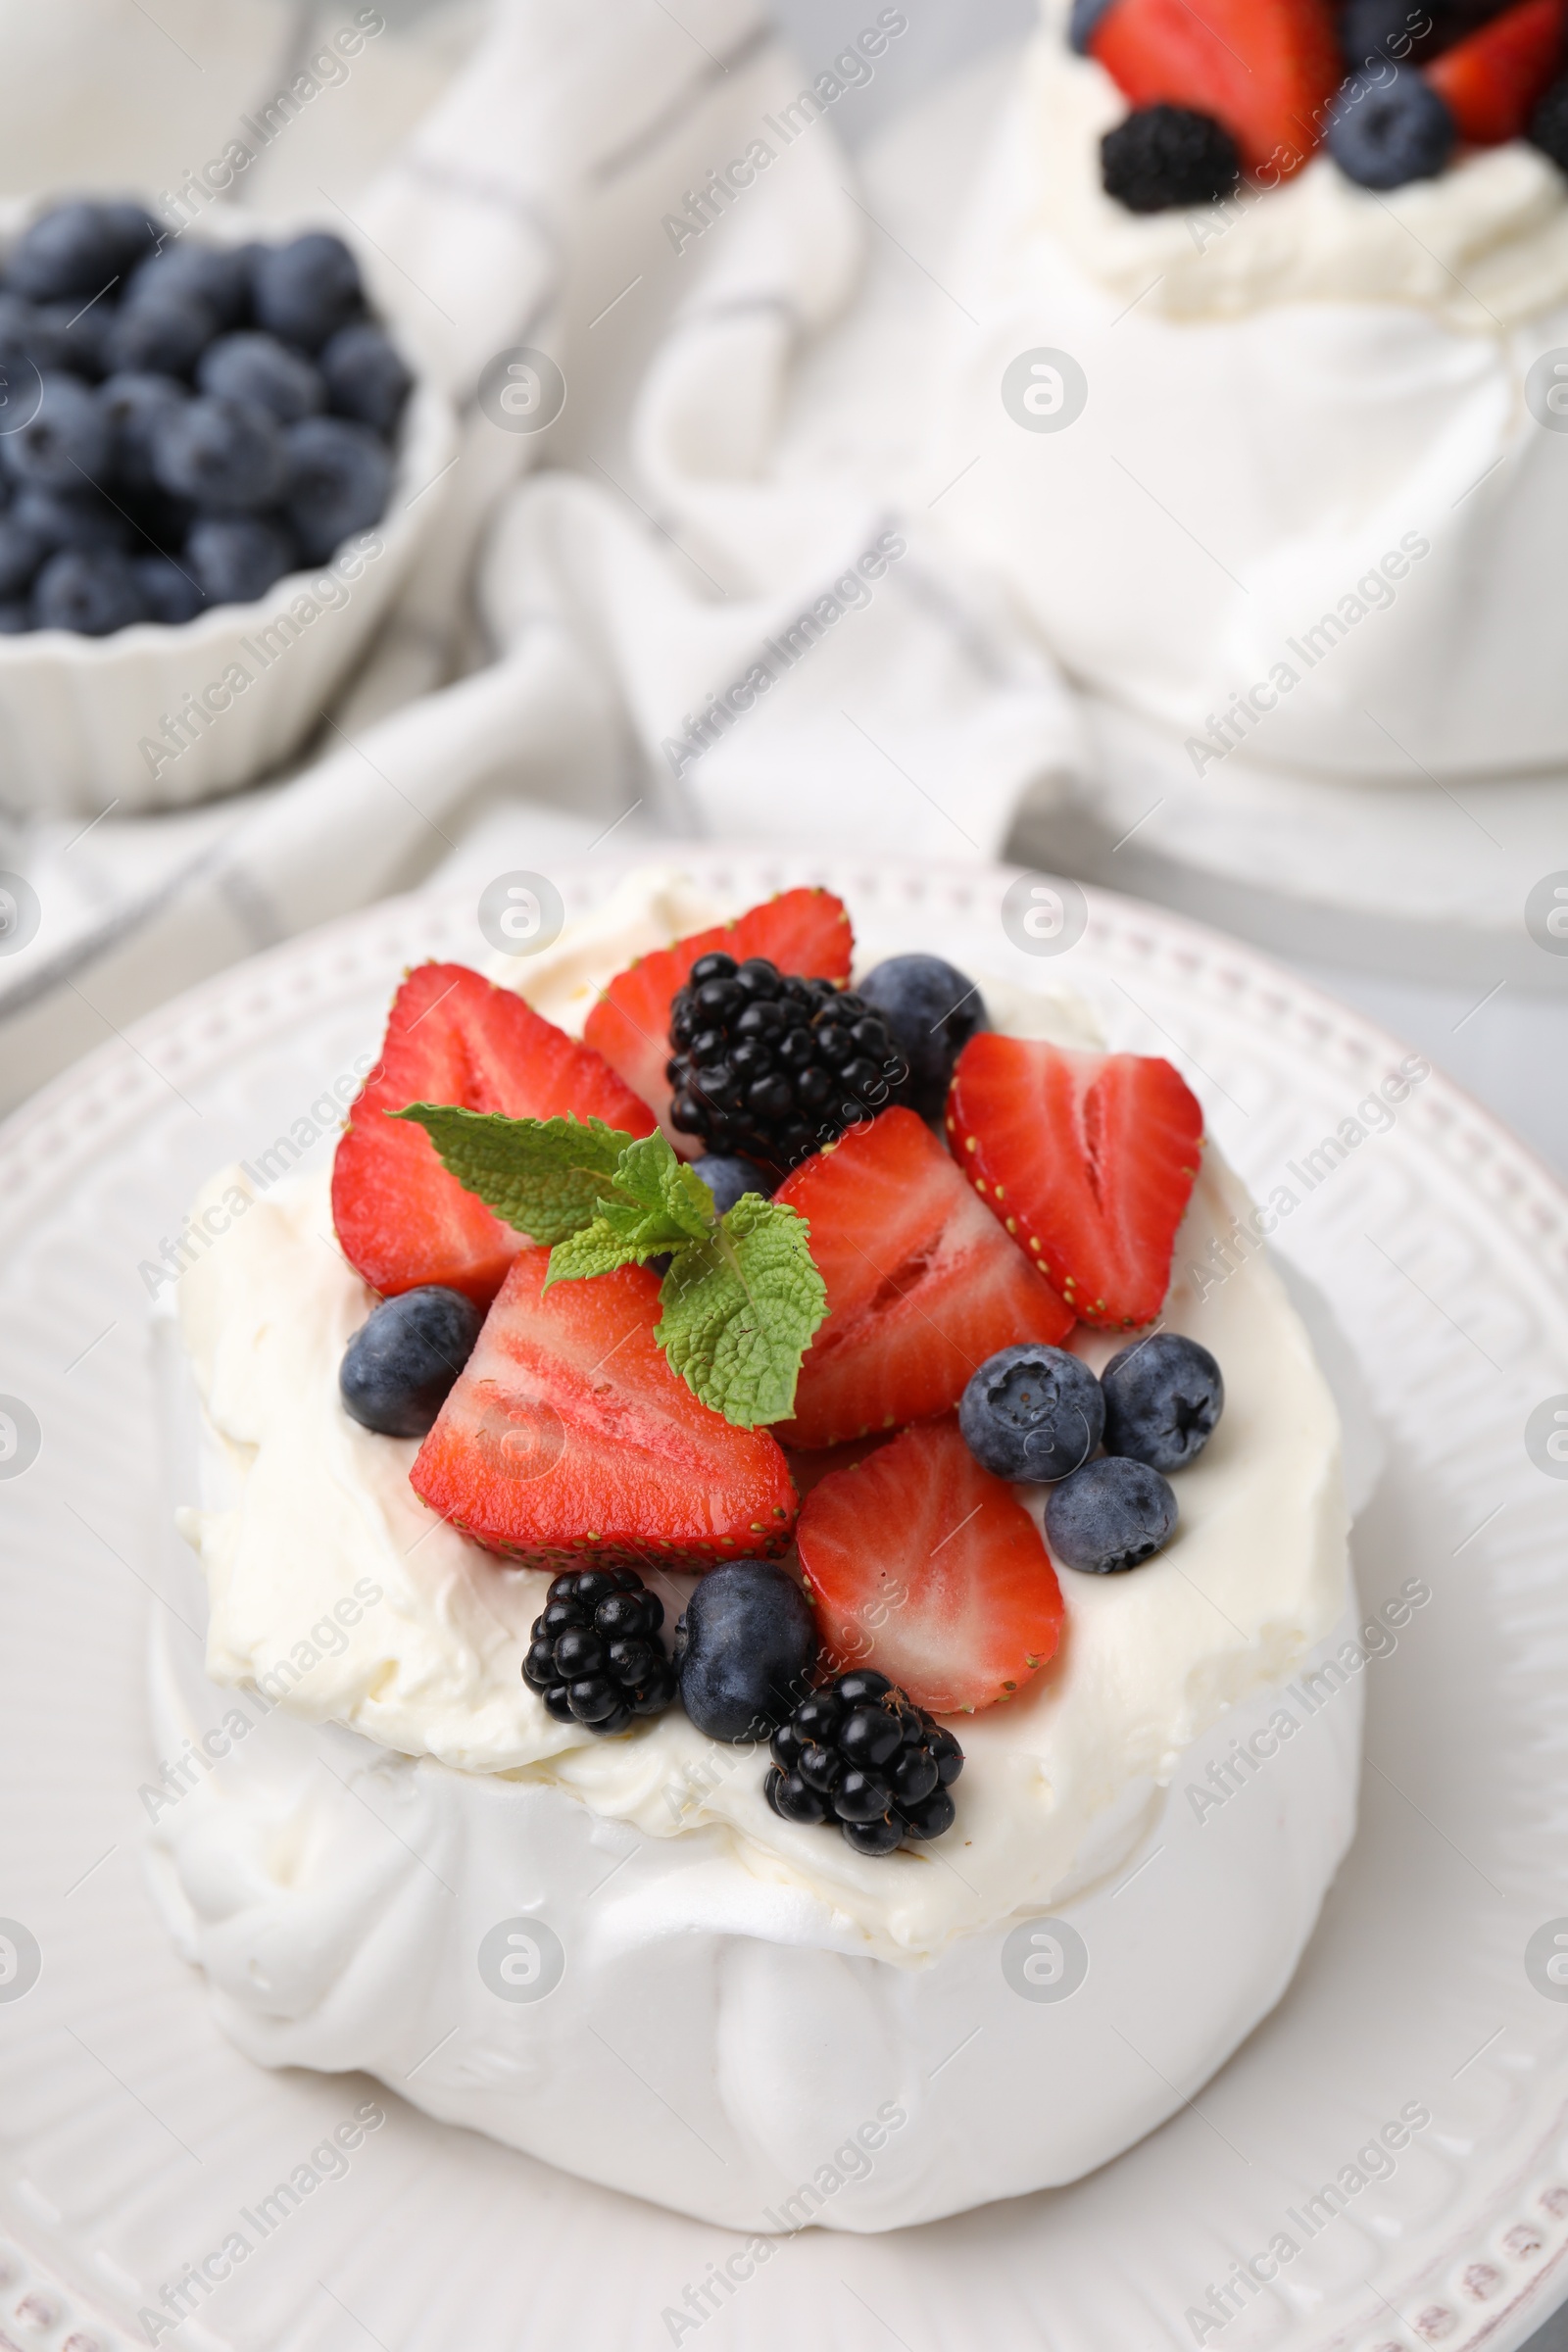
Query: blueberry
point(236, 557)
point(1032, 1412)
point(1383, 135)
point(339, 477)
point(71, 251)
point(1395, 29)
point(745, 1650)
point(81, 337)
point(228, 457)
point(93, 591)
point(22, 551)
point(730, 1179)
point(16, 618)
point(134, 232)
point(135, 406)
point(161, 522)
point(306, 290)
point(1164, 1399)
point(217, 277)
point(82, 518)
point(264, 371)
point(26, 343)
point(402, 1361)
point(1086, 15)
point(165, 334)
point(168, 591)
point(65, 442)
point(931, 1010)
point(365, 376)
point(1109, 1515)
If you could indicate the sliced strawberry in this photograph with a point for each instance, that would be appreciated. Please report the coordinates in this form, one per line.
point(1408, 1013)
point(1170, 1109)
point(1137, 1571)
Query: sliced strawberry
point(923, 1285)
point(1493, 80)
point(567, 1435)
point(1266, 68)
point(924, 1565)
point(1089, 1158)
point(803, 931)
point(452, 1038)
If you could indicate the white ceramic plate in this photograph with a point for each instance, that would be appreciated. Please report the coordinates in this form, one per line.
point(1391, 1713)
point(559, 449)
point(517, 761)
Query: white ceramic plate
point(133, 2139)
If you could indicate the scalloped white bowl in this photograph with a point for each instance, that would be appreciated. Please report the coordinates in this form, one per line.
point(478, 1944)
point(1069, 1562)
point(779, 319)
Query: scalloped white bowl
point(76, 712)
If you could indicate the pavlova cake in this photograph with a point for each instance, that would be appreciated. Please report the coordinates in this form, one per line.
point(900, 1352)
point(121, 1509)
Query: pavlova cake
point(760, 1604)
point(1265, 378)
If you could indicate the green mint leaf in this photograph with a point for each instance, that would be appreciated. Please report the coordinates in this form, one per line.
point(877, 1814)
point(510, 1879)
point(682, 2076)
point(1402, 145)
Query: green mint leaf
point(651, 1173)
point(542, 1177)
point(658, 1206)
point(742, 1297)
point(596, 1249)
point(740, 1312)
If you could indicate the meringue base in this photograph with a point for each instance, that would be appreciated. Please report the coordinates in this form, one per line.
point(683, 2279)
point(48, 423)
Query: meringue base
point(667, 2025)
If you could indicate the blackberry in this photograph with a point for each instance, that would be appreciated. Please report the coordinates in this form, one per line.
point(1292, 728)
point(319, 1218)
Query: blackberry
point(1164, 156)
point(594, 1654)
point(771, 1067)
point(860, 1754)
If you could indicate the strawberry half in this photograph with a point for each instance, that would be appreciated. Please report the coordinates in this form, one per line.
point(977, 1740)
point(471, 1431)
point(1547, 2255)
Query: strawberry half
point(452, 1038)
point(1266, 68)
point(922, 1285)
point(805, 932)
point(924, 1565)
point(1089, 1158)
point(1493, 80)
point(569, 1437)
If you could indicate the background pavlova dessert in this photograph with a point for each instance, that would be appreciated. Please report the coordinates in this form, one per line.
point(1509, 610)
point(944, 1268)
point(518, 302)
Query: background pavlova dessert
point(1294, 277)
point(713, 1921)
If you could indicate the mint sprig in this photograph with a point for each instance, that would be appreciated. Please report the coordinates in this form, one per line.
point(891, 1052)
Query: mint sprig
point(742, 1298)
point(547, 1191)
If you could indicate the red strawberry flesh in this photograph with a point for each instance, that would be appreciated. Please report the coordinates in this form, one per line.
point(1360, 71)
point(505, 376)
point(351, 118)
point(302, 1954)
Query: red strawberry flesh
point(806, 932)
point(568, 1438)
point(922, 1285)
point(1266, 68)
point(1088, 1158)
point(1493, 79)
point(452, 1038)
point(922, 1565)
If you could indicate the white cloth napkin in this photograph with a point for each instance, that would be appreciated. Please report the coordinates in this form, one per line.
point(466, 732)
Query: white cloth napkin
point(730, 504)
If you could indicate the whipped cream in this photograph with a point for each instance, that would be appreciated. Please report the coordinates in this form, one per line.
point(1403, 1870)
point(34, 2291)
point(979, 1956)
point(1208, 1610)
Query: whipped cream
point(1484, 246)
point(334, 1589)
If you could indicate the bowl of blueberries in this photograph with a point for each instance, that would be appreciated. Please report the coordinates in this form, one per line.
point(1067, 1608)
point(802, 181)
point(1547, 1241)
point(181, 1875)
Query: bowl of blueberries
point(211, 452)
